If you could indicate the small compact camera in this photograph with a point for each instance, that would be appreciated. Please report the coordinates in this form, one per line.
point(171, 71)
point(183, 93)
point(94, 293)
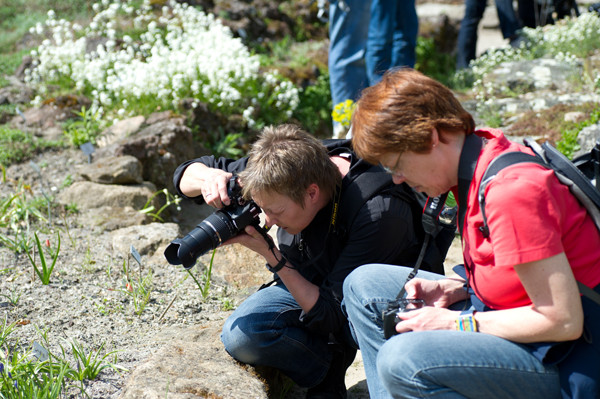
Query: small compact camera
point(391, 314)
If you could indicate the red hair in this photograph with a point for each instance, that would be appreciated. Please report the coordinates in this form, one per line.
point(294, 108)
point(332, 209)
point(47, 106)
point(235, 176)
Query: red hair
point(399, 113)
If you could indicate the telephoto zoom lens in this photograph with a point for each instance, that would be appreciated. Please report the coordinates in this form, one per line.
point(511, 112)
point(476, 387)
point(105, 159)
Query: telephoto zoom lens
point(208, 235)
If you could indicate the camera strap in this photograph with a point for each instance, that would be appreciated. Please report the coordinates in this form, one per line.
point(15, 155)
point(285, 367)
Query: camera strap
point(280, 262)
point(431, 216)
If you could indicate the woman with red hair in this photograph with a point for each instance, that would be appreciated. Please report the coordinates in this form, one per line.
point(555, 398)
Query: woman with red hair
point(511, 325)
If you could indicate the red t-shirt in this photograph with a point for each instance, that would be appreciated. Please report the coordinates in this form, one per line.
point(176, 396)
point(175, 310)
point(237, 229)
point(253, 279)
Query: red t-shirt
point(531, 216)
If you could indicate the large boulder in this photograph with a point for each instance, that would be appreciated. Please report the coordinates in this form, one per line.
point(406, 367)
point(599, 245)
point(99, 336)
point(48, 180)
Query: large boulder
point(150, 239)
point(533, 75)
point(192, 363)
point(89, 195)
point(587, 139)
point(50, 115)
point(113, 170)
point(160, 147)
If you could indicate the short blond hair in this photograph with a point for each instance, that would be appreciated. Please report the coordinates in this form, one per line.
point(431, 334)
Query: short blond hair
point(286, 160)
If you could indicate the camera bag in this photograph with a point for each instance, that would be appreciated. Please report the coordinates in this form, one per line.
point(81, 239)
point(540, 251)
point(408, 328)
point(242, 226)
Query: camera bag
point(579, 360)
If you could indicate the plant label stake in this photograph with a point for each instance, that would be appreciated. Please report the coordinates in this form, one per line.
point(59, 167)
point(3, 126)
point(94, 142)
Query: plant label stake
point(136, 255)
point(88, 149)
point(21, 114)
point(39, 352)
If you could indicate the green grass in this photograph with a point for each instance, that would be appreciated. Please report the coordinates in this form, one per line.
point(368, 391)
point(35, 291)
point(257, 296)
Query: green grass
point(23, 375)
point(17, 146)
point(18, 16)
point(9, 63)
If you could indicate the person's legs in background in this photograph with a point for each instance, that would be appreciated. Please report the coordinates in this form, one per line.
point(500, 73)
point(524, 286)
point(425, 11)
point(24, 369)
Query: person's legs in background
point(380, 40)
point(526, 11)
point(392, 38)
point(348, 28)
point(405, 34)
point(509, 23)
point(467, 35)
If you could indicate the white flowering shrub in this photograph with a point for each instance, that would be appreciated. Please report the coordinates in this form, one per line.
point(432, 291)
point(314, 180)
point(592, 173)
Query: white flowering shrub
point(567, 40)
point(148, 58)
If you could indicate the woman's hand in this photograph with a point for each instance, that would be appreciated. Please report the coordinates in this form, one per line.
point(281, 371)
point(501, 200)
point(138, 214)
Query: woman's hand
point(437, 293)
point(427, 318)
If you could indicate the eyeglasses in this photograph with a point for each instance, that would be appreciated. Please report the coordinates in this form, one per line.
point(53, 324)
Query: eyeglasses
point(394, 169)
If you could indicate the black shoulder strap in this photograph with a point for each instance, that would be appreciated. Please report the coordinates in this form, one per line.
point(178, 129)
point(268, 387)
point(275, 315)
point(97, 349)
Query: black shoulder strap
point(466, 168)
point(559, 162)
point(334, 144)
point(500, 162)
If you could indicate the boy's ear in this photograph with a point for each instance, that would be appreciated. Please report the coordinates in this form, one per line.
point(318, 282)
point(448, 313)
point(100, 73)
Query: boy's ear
point(313, 191)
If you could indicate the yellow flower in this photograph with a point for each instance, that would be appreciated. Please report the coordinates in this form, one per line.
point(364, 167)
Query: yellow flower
point(342, 112)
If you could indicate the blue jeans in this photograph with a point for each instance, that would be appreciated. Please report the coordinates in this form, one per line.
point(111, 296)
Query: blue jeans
point(265, 330)
point(366, 39)
point(441, 364)
point(467, 35)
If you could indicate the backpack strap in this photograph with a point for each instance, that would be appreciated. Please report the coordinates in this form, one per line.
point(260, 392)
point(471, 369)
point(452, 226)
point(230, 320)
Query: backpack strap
point(588, 292)
point(566, 172)
point(466, 168)
point(364, 186)
point(500, 162)
point(559, 162)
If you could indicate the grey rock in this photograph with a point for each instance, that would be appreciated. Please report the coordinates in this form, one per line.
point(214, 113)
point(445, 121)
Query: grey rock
point(533, 75)
point(89, 195)
point(575, 117)
point(192, 363)
point(587, 139)
point(160, 147)
point(159, 117)
point(120, 130)
point(15, 94)
point(50, 114)
point(113, 170)
point(110, 218)
point(148, 240)
point(26, 63)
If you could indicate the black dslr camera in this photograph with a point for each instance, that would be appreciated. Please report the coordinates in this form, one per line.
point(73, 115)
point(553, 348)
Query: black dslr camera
point(217, 228)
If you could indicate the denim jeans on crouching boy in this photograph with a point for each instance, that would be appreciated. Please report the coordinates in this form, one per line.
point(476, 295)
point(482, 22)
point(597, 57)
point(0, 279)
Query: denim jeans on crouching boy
point(440, 364)
point(266, 330)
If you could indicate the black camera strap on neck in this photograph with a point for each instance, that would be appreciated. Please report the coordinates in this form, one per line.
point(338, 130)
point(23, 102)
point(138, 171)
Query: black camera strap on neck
point(431, 216)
